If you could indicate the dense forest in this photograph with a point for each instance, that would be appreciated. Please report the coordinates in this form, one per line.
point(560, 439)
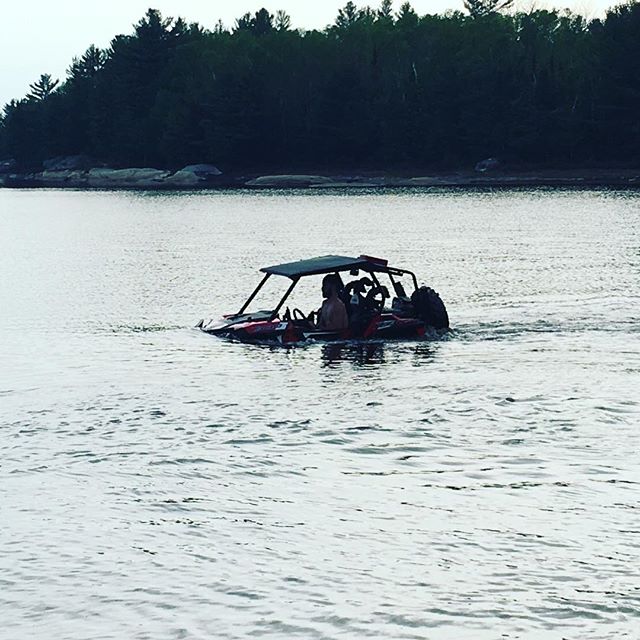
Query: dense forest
point(376, 89)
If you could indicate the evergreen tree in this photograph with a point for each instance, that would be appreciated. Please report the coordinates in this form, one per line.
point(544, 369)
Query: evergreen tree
point(259, 24)
point(88, 65)
point(282, 21)
point(372, 90)
point(42, 88)
point(407, 17)
point(262, 23)
point(347, 16)
point(481, 8)
point(385, 12)
point(245, 23)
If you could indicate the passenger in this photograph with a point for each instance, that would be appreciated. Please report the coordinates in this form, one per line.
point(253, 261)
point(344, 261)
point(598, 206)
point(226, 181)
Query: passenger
point(333, 314)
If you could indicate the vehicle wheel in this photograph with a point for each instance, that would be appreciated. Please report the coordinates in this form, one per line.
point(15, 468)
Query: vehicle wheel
point(430, 308)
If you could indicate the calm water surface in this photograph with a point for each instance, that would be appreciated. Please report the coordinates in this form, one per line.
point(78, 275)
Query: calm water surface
point(158, 483)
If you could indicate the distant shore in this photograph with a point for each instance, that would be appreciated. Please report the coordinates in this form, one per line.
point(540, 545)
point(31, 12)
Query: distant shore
point(156, 179)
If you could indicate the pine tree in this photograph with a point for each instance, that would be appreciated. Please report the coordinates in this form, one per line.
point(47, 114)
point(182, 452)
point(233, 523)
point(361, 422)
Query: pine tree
point(42, 88)
point(385, 12)
point(481, 8)
point(407, 17)
point(259, 24)
point(282, 21)
point(347, 16)
point(262, 23)
point(244, 23)
point(88, 65)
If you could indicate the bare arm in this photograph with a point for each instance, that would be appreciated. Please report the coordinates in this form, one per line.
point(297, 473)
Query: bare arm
point(334, 316)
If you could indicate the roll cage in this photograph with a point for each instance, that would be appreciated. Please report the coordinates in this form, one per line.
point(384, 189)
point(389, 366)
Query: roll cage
point(324, 265)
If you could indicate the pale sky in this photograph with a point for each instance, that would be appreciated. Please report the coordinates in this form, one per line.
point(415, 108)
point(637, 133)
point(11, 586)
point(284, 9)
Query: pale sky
point(42, 36)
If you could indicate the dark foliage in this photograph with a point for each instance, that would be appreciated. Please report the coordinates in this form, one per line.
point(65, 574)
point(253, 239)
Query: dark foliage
point(480, 8)
point(375, 89)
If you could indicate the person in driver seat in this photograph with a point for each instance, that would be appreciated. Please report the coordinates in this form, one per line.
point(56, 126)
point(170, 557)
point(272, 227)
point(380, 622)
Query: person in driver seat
point(333, 313)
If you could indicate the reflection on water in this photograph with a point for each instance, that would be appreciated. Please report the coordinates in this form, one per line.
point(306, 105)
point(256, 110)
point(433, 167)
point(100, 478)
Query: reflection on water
point(359, 354)
point(157, 482)
point(373, 353)
point(424, 353)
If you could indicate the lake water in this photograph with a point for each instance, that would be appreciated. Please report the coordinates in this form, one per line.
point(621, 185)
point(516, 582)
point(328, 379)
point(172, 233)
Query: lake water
point(156, 482)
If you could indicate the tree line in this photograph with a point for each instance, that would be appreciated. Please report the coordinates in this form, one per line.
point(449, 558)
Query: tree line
point(376, 89)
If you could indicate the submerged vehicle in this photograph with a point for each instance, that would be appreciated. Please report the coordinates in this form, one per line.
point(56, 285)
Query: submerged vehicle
point(365, 299)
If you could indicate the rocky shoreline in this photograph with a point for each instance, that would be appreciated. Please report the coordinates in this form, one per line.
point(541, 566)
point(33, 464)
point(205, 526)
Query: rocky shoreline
point(73, 177)
point(208, 177)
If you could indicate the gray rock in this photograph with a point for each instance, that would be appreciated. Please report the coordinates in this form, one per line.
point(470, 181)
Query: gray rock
point(183, 178)
point(426, 181)
point(114, 178)
point(349, 184)
point(283, 181)
point(60, 178)
point(204, 171)
point(7, 166)
point(355, 181)
point(105, 178)
point(193, 175)
point(490, 164)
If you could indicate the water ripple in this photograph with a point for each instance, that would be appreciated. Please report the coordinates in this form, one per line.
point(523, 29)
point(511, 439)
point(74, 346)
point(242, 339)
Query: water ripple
point(158, 483)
